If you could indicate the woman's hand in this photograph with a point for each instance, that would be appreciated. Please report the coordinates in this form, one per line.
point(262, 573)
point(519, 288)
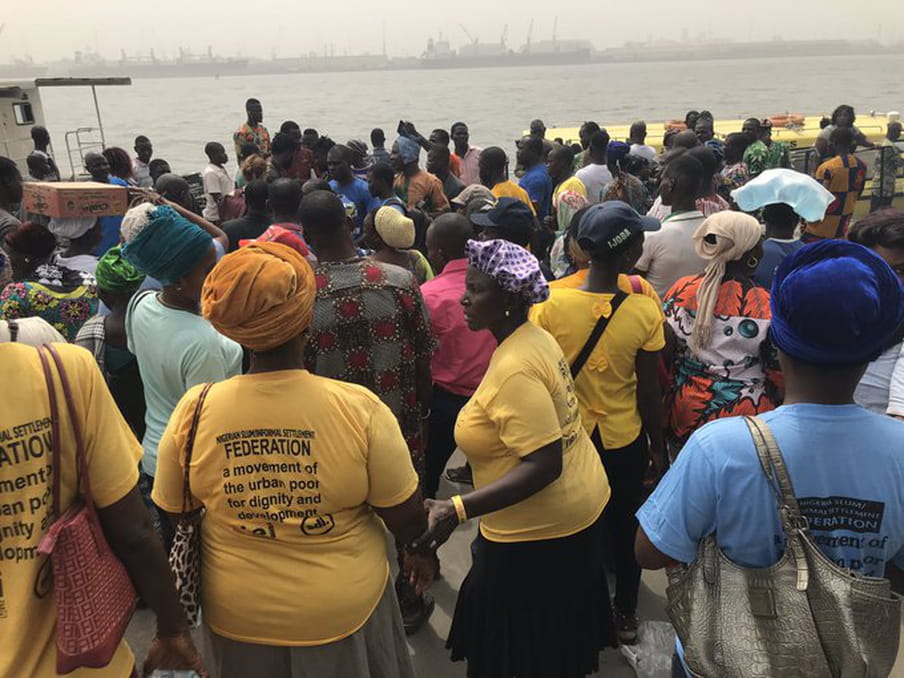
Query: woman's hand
point(174, 652)
point(441, 522)
point(420, 568)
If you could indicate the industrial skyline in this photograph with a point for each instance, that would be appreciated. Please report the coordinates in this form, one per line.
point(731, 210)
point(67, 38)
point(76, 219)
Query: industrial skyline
point(52, 30)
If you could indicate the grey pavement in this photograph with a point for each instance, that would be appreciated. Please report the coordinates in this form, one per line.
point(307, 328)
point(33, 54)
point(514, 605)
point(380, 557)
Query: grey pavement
point(427, 647)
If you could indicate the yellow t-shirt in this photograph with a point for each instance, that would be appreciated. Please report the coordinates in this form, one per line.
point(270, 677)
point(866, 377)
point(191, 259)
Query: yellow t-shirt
point(607, 384)
point(27, 622)
point(576, 280)
point(526, 401)
point(288, 465)
point(509, 189)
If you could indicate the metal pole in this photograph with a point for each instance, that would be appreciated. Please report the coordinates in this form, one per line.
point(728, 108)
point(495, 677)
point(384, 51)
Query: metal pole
point(100, 123)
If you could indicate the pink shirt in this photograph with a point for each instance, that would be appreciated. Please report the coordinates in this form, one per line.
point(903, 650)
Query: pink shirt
point(463, 355)
point(470, 172)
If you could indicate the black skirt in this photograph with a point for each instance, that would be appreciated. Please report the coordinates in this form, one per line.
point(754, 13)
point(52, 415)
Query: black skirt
point(537, 609)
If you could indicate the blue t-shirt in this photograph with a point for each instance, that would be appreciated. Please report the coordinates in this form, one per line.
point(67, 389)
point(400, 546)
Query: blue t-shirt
point(357, 192)
point(109, 226)
point(538, 184)
point(846, 465)
point(774, 252)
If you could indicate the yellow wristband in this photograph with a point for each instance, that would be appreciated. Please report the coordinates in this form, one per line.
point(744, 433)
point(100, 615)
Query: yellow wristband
point(459, 505)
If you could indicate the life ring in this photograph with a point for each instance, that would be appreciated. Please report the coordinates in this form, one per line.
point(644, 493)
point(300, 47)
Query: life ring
point(790, 120)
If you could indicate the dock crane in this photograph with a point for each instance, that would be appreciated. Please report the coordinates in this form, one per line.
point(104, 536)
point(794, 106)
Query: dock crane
point(530, 32)
point(470, 37)
point(503, 36)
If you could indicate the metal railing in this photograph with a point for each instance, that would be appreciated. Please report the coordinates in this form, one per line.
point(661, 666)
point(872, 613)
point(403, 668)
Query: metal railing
point(878, 162)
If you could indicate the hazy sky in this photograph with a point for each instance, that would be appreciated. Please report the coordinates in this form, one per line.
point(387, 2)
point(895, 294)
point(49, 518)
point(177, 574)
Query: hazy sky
point(51, 29)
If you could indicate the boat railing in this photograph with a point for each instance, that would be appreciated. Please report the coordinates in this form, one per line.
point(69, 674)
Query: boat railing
point(878, 162)
point(80, 141)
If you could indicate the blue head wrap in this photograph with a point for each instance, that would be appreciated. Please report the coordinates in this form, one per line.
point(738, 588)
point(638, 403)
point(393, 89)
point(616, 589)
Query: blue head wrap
point(617, 151)
point(836, 303)
point(168, 247)
point(409, 149)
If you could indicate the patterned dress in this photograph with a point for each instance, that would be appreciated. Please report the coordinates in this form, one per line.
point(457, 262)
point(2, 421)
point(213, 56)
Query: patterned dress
point(738, 373)
point(61, 296)
point(370, 326)
point(246, 134)
point(759, 157)
point(845, 176)
point(628, 188)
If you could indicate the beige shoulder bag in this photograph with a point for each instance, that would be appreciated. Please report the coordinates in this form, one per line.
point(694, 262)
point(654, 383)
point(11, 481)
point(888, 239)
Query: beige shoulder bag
point(804, 617)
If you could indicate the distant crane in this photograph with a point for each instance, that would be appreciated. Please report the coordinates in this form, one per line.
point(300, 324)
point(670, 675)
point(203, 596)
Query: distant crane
point(555, 26)
point(504, 34)
point(470, 37)
point(530, 32)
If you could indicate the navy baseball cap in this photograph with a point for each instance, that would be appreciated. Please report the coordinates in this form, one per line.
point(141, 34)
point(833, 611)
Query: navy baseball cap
point(606, 225)
point(506, 213)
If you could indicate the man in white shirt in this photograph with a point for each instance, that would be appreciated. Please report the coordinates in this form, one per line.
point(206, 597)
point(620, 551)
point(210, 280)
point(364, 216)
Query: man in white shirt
point(217, 182)
point(669, 254)
point(596, 175)
point(140, 169)
point(638, 140)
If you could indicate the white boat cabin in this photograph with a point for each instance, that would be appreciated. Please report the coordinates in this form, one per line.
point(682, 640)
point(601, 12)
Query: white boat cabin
point(21, 110)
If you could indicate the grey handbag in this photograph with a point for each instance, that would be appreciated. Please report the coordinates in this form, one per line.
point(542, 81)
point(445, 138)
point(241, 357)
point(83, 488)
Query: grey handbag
point(804, 616)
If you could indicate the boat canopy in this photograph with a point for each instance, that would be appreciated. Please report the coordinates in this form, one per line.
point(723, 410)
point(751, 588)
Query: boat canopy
point(13, 89)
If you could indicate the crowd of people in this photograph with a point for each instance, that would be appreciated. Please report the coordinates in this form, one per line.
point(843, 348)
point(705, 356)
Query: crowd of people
point(301, 354)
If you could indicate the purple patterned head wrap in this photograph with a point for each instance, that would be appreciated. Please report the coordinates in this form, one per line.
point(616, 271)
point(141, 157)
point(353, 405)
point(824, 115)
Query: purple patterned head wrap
point(514, 268)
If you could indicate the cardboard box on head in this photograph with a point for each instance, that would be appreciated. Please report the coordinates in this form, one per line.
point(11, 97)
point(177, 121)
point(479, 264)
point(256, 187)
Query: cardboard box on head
point(74, 199)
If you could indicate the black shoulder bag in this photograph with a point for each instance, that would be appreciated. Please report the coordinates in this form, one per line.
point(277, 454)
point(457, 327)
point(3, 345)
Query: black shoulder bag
point(595, 335)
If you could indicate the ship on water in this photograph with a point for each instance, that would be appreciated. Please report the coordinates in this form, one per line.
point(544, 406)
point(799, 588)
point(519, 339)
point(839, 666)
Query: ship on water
point(185, 65)
point(439, 54)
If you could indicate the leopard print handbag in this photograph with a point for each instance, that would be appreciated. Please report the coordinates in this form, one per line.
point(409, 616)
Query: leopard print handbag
point(185, 555)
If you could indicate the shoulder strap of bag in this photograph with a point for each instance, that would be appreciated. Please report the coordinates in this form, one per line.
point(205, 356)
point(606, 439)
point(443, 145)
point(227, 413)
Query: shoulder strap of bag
point(770, 456)
point(595, 335)
point(190, 446)
point(133, 304)
point(13, 330)
point(54, 427)
point(80, 454)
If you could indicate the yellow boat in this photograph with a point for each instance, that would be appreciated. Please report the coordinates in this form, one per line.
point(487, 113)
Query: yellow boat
point(798, 131)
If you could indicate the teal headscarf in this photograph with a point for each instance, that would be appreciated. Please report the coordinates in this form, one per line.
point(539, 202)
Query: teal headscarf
point(168, 247)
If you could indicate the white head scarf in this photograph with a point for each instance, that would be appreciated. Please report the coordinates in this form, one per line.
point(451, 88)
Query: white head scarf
point(71, 227)
point(735, 234)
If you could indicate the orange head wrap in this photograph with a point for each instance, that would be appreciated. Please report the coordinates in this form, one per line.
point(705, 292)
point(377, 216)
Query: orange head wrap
point(261, 295)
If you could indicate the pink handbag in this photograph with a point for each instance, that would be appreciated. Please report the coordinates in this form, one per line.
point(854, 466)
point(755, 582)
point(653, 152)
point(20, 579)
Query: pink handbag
point(94, 596)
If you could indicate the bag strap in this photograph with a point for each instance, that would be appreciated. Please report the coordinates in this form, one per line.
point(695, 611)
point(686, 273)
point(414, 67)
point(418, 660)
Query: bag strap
point(190, 446)
point(773, 465)
point(13, 327)
point(54, 427)
point(84, 481)
point(595, 335)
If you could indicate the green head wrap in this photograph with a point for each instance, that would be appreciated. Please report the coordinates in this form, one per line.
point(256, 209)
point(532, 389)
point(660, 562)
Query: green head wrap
point(116, 275)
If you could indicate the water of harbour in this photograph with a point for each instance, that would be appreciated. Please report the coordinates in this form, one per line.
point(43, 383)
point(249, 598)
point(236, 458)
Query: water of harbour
point(181, 115)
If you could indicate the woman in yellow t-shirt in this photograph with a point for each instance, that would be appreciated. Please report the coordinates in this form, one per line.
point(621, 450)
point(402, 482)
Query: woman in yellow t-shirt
point(295, 472)
point(618, 384)
point(539, 489)
point(28, 614)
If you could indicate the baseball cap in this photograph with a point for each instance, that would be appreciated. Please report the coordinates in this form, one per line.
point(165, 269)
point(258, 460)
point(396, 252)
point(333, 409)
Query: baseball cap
point(606, 225)
point(470, 193)
point(506, 214)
